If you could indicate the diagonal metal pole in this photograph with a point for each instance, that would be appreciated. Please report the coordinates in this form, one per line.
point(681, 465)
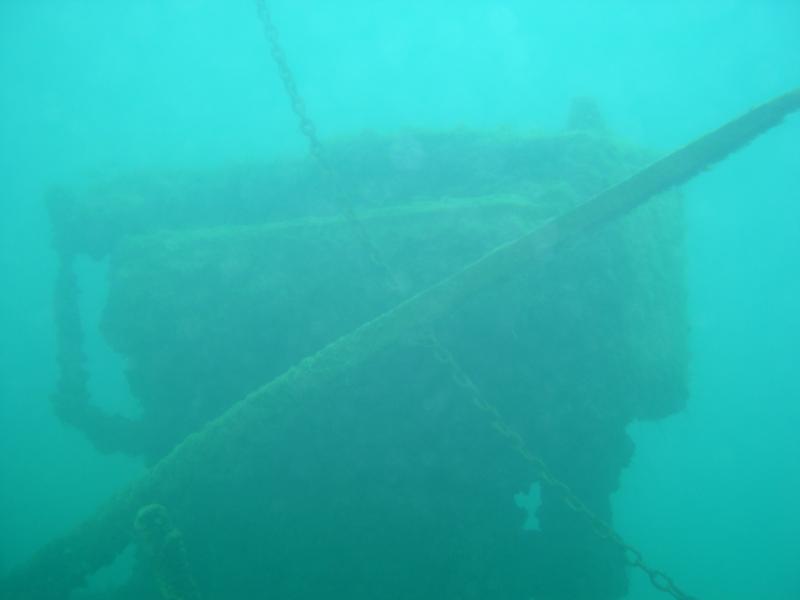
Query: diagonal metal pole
point(64, 563)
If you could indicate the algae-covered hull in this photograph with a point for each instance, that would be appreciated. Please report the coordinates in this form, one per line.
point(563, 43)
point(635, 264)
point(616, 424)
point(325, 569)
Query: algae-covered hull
point(390, 482)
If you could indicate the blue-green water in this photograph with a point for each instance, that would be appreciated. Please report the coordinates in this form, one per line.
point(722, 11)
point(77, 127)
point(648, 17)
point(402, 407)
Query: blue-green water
point(94, 89)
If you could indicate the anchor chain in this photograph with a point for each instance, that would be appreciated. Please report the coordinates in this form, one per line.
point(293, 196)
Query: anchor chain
point(162, 545)
point(632, 556)
point(340, 196)
point(298, 106)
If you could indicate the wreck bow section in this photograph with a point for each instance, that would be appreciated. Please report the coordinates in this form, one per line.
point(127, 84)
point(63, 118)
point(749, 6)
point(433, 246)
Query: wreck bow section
point(392, 483)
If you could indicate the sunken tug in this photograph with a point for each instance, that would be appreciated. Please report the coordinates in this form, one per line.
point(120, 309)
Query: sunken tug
point(392, 481)
point(348, 375)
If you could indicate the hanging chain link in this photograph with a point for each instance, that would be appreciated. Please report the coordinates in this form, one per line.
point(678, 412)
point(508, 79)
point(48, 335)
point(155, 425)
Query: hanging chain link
point(298, 106)
point(632, 556)
point(340, 196)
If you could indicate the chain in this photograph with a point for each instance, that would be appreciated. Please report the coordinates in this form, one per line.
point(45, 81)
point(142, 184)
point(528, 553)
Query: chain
point(298, 106)
point(71, 399)
point(72, 391)
point(315, 148)
point(164, 547)
point(633, 557)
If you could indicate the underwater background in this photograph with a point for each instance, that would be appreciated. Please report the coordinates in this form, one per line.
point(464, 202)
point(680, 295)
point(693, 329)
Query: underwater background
point(91, 89)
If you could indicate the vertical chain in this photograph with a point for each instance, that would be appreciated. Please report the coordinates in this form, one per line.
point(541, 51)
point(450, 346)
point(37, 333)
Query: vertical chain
point(298, 106)
point(443, 355)
point(315, 148)
point(72, 392)
point(633, 557)
point(164, 547)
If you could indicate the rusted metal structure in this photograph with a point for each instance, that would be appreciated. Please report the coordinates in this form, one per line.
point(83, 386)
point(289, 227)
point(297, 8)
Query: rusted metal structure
point(392, 408)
